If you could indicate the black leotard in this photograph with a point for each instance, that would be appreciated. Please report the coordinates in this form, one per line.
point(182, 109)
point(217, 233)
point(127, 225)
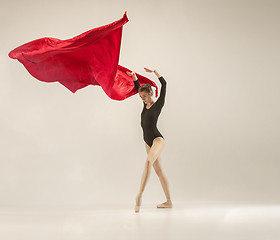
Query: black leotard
point(149, 116)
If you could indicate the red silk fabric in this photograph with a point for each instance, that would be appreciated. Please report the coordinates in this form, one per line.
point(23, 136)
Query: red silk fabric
point(90, 58)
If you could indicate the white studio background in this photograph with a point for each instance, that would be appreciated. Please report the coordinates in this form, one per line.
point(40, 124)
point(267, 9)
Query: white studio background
point(220, 59)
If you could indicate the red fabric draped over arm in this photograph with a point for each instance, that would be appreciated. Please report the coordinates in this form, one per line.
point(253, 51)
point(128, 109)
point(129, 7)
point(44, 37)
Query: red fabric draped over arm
point(90, 58)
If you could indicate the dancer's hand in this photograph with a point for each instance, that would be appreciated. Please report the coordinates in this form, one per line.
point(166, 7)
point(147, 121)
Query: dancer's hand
point(148, 70)
point(132, 74)
point(155, 71)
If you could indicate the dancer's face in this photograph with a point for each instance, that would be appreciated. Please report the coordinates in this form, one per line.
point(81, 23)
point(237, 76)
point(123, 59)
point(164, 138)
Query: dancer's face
point(146, 97)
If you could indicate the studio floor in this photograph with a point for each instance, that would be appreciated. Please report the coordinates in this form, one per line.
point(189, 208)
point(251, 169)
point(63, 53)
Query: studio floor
point(194, 221)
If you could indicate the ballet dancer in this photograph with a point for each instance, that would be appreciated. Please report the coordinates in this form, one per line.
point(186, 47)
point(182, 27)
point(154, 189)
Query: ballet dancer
point(154, 141)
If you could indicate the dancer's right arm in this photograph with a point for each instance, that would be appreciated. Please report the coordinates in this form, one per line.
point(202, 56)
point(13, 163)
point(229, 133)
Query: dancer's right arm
point(135, 80)
point(136, 84)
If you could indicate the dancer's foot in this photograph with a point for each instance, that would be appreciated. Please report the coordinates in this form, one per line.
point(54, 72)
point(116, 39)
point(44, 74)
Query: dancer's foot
point(167, 204)
point(138, 202)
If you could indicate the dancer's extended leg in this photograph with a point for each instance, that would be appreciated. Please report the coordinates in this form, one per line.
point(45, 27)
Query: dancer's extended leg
point(153, 154)
point(163, 180)
point(144, 180)
point(164, 183)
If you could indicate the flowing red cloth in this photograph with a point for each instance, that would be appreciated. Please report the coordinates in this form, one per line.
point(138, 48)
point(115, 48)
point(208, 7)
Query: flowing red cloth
point(90, 58)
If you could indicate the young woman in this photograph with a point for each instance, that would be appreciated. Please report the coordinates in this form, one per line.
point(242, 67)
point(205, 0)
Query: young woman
point(154, 141)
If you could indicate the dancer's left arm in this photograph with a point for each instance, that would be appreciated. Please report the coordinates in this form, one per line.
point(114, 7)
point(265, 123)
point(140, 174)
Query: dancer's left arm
point(161, 98)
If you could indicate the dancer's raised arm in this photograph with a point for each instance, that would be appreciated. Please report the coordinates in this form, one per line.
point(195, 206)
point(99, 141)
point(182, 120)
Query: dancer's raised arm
point(136, 82)
point(161, 98)
point(155, 71)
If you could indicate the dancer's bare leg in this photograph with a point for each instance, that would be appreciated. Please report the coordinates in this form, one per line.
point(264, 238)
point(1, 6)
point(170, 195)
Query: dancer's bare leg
point(164, 183)
point(155, 150)
point(144, 180)
point(153, 154)
point(163, 180)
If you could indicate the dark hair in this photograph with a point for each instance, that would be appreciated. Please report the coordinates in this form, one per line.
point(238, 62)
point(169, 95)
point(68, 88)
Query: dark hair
point(145, 87)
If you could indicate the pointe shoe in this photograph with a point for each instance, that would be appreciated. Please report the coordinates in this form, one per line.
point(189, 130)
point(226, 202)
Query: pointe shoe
point(138, 203)
point(165, 205)
point(137, 208)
